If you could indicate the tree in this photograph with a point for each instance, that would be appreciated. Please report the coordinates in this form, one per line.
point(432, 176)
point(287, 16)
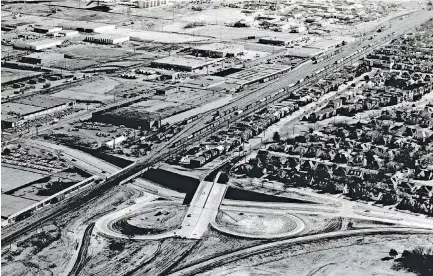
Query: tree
point(367, 78)
point(393, 253)
point(276, 137)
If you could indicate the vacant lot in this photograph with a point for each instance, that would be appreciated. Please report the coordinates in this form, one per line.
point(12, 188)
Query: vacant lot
point(94, 52)
point(254, 223)
point(94, 89)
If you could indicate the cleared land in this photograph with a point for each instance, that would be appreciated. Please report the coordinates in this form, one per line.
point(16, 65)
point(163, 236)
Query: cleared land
point(12, 178)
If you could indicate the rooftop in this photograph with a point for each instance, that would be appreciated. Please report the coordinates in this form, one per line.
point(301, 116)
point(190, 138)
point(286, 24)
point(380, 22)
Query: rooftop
point(42, 101)
point(323, 44)
point(186, 61)
point(220, 47)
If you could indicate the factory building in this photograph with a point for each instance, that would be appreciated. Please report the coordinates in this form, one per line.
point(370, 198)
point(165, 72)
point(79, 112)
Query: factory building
point(46, 29)
point(68, 33)
point(187, 63)
point(42, 58)
point(19, 111)
point(37, 45)
point(107, 38)
point(144, 4)
point(87, 27)
point(281, 41)
point(218, 50)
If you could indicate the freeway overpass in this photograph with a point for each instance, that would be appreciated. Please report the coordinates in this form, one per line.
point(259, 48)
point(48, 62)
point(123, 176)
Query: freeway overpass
point(163, 151)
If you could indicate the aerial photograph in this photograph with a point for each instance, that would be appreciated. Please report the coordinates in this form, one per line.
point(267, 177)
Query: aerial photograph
point(216, 137)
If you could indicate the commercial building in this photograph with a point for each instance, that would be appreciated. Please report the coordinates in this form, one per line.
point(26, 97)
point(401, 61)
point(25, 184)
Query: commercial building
point(42, 58)
point(87, 27)
point(144, 4)
point(282, 41)
point(218, 50)
point(19, 111)
point(37, 45)
point(107, 38)
point(46, 29)
point(186, 63)
point(68, 33)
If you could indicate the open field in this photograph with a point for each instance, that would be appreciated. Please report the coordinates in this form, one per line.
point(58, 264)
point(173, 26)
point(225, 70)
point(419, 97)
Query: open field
point(347, 256)
point(95, 89)
point(255, 224)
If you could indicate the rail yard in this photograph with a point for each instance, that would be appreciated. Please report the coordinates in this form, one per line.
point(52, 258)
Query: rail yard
point(217, 137)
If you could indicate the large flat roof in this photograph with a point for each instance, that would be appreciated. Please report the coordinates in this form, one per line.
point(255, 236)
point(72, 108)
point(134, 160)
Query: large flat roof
point(12, 204)
point(187, 61)
point(43, 101)
point(84, 24)
point(21, 109)
point(220, 47)
point(45, 55)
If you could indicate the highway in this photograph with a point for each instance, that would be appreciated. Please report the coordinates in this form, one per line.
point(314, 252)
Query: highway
point(161, 152)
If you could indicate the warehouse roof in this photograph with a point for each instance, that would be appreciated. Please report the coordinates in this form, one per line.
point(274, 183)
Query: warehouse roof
point(221, 47)
point(43, 101)
point(45, 55)
point(187, 61)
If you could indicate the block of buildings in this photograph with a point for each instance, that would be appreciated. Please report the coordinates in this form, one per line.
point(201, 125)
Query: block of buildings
point(218, 50)
point(185, 63)
point(37, 45)
point(87, 27)
point(107, 38)
point(42, 58)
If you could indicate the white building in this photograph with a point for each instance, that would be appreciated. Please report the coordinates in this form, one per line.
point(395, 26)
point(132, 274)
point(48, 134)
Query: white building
point(87, 27)
point(107, 38)
point(38, 44)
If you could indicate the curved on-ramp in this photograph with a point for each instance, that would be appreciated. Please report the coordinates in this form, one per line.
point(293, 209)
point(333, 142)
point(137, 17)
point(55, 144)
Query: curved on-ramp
point(103, 225)
point(300, 226)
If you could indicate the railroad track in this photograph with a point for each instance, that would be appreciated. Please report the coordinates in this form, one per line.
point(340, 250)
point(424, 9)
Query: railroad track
point(82, 254)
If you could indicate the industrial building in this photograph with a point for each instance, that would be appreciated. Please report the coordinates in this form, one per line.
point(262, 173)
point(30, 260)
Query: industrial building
point(37, 45)
point(87, 27)
point(42, 58)
point(144, 4)
point(68, 33)
point(19, 111)
point(129, 117)
point(218, 50)
point(187, 63)
point(46, 29)
point(107, 38)
point(281, 41)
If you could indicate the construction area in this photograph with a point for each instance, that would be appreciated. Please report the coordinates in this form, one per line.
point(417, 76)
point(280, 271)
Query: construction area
point(217, 138)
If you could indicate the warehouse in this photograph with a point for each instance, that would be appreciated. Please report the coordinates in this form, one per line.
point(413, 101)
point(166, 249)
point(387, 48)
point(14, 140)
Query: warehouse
point(188, 64)
point(87, 27)
point(46, 29)
point(17, 112)
point(42, 58)
point(107, 38)
point(303, 52)
point(281, 41)
point(218, 50)
point(68, 33)
point(37, 45)
point(129, 117)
